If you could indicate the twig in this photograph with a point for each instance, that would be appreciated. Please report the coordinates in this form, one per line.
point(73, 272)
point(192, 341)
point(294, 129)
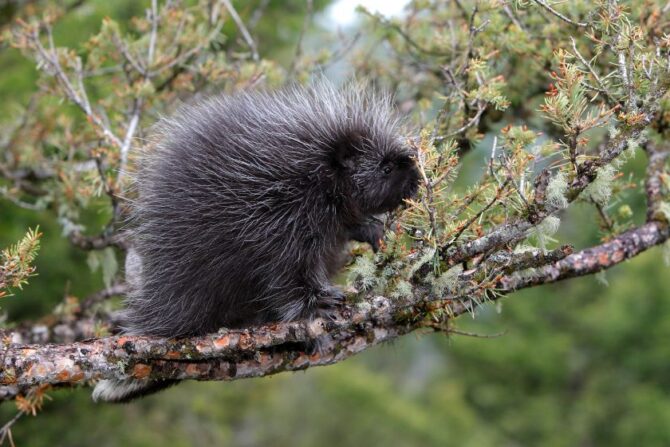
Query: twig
point(626, 78)
point(257, 14)
point(20, 203)
point(603, 215)
point(551, 10)
point(154, 32)
point(595, 259)
point(298, 47)
point(338, 54)
point(186, 55)
point(51, 58)
point(602, 88)
point(98, 242)
point(125, 52)
point(6, 430)
point(474, 334)
point(428, 200)
point(97, 297)
point(128, 140)
point(243, 29)
point(407, 37)
point(510, 262)
point(481, 108)
point(474, 218)
point(513, 18)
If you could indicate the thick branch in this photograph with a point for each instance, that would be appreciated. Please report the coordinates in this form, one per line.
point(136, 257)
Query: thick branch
point(227, 355)
point(266, 350)
point(592, 260)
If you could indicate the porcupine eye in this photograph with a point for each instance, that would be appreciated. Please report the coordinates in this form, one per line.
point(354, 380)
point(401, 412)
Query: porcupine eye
point(387, 168)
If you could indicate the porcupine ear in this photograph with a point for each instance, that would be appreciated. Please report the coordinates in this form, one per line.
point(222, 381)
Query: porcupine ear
point(344, 149)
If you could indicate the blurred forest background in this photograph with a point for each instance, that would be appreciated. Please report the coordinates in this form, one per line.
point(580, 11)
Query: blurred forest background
point(584, 362)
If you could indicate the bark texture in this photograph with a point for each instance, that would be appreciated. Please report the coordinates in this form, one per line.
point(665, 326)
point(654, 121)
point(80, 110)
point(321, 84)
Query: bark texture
point(270, 349)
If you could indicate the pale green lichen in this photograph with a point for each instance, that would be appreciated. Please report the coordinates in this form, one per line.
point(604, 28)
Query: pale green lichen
point(388, 271)
point(364, 273)
point(523, 248)
point(631, 149)
point(403, 289)
point(499, 307)
point(447, 281)
point(545, 229)
point(380, 285)
point(600, 190)
point(556, 190)
point(613, 132)
point(364, 306)
point(549, 226)
point(427, 256)
point(527, 273)
point(601, 277)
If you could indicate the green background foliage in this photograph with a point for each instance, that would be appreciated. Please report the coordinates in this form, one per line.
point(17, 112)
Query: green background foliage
point(579, 363)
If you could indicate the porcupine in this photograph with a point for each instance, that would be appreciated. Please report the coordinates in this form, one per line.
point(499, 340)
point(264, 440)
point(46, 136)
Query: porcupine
point(245, 206)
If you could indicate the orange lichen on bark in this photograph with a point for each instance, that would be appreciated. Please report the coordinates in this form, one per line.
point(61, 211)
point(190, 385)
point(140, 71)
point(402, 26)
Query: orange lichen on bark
point(141, 371)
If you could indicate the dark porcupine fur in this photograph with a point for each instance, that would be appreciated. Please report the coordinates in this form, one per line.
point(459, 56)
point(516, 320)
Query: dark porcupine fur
point(246, 205)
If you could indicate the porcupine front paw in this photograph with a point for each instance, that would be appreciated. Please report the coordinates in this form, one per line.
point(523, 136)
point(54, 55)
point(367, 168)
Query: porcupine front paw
point(372, 232)
point(328, 300)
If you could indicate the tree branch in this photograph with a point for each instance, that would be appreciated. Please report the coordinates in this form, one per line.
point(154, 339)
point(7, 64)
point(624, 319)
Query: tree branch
point(243, 29)
point(99, 242)
point(233, 354)
point(592, 260)
point(551, 10)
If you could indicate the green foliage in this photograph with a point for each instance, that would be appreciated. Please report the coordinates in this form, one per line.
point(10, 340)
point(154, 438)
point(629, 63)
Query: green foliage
point(16, 262)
